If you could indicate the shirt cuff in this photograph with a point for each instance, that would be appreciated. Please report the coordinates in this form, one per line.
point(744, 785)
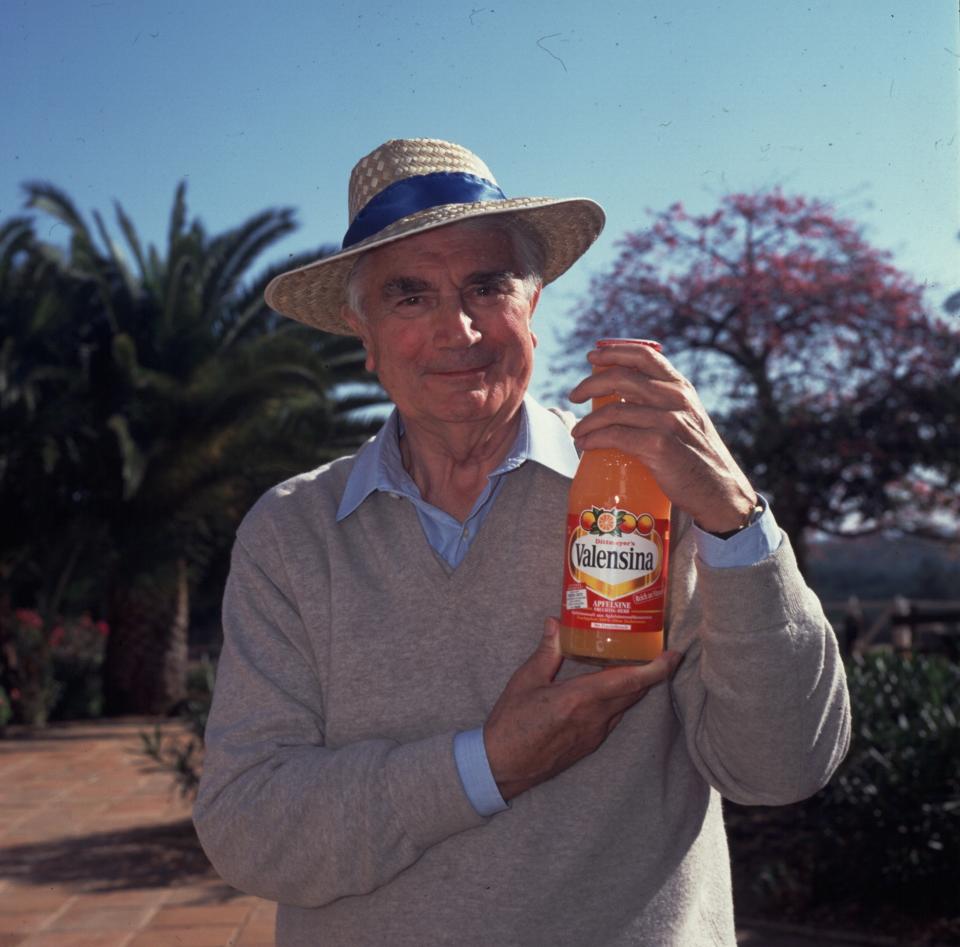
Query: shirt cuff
point(470, 755)
point(746, 548)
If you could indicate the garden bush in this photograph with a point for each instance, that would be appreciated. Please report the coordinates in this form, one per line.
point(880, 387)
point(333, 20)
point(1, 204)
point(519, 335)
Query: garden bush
point(77, 651)
point(893, 810)
point(6, 711)
point(181, 754)
point(886, 830)
point(26, 667)
point(51, 672)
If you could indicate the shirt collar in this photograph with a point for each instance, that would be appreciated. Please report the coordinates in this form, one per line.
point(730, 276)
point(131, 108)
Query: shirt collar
point(550, 443)
point(543, 437)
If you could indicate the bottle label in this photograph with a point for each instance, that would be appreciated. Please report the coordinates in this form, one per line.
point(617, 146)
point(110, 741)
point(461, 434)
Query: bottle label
point(616, 570)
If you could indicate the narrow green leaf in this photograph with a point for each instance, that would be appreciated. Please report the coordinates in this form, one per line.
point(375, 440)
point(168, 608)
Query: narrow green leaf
point(134, 462)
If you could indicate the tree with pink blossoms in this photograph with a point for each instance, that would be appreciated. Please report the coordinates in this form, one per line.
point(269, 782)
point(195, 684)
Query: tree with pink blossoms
point(831, 382)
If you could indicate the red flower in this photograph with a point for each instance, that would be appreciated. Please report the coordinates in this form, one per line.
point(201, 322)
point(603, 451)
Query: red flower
point(28, 617)
point(103, 628)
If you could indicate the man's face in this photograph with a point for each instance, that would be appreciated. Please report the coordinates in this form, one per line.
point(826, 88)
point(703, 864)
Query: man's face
point(447, 325)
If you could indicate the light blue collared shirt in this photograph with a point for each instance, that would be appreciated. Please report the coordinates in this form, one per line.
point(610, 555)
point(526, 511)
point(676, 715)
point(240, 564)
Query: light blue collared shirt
point(542, 438)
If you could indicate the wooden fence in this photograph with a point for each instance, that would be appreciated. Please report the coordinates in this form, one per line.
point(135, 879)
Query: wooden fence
point(899, 624)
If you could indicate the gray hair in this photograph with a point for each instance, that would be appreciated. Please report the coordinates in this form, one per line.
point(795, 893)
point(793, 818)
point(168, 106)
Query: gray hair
point(528, 251)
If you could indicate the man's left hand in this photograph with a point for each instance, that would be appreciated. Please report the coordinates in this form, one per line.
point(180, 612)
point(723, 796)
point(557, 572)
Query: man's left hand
point(661, 420)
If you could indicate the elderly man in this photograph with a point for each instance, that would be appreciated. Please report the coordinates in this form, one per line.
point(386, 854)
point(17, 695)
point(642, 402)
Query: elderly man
point(397, 752)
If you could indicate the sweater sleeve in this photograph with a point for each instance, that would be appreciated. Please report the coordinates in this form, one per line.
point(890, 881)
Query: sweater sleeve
point(281, 814)
point(761, 691)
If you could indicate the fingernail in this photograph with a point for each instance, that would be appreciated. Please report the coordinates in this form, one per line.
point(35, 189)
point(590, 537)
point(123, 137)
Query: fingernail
point(550, 628)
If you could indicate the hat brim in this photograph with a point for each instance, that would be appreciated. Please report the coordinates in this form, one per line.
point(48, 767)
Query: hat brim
point(315, 294)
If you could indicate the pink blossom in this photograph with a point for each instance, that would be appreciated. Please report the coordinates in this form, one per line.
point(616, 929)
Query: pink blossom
point(28, 617)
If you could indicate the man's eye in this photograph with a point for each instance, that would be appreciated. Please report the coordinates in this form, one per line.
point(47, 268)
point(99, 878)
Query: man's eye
point(490, 289)
point(410, 301)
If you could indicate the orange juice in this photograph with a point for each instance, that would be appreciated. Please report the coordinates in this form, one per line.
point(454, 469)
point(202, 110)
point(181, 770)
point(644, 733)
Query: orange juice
point(615, 569)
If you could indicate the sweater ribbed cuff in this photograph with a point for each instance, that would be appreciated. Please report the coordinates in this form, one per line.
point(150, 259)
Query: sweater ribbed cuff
point(426, 791)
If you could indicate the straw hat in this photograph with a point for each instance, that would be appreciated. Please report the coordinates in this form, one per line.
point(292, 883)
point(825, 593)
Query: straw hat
point(410, 185)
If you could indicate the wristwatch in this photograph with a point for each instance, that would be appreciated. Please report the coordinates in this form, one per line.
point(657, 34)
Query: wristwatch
point(751, 518)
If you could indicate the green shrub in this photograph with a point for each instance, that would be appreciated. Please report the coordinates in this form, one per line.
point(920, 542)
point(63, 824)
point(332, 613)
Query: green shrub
point(181, 754)
point(26, 667)
point(6, 711)
point(886, 830)
point(51, 672)
point(77, 649)
point(893, 810)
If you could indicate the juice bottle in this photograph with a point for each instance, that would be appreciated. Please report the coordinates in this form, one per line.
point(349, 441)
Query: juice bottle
point(615, 568)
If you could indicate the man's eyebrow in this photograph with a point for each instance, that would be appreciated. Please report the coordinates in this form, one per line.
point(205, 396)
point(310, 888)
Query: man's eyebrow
point(491, 276)
point(404, 286)
point(409, 285)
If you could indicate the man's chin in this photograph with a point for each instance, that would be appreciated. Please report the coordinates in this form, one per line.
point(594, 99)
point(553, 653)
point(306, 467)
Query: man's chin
point(467, 404)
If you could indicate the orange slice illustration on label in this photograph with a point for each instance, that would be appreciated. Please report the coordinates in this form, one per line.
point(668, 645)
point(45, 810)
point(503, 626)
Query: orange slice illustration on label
point(606, 522)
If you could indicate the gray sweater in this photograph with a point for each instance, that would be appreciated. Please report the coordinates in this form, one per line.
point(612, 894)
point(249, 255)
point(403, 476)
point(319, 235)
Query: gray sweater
point(352, 657)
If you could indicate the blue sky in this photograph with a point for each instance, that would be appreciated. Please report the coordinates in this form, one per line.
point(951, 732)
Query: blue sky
point(636, 104)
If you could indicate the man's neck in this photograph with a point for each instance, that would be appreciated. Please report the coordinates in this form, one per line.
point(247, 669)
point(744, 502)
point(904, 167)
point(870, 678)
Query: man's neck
point(450, 465)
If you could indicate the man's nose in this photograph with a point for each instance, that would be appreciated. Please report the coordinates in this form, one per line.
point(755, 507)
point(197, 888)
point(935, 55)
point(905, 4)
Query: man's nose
point(455, 325)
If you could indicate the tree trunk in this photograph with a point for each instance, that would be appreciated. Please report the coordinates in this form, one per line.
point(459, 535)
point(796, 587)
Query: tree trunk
point(793, 521)
point(145, 666)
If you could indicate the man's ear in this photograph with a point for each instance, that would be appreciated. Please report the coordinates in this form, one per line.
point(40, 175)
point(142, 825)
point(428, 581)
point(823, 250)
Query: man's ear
point(360, 328)
point(534, 299)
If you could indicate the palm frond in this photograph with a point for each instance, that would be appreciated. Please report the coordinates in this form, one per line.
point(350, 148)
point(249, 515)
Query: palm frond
point(236, 251)
point(134, 461)
point(292, 262)
point(16, 234)
point(178, 218)
point(248, 317)
point(133, 241)
point(252, 296)
point(84, 258)
point(120, 266)
point(46, 197)
point(175, 293)
point(16, 238)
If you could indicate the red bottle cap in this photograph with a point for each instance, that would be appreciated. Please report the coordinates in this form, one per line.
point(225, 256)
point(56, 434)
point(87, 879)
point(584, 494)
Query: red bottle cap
point(602, 343)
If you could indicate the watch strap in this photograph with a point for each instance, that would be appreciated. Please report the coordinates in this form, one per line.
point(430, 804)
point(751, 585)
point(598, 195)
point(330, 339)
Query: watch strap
point(748, 520)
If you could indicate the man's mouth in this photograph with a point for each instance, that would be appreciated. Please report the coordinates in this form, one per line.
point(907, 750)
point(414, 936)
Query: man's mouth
point(459, 371)
point(456, 372)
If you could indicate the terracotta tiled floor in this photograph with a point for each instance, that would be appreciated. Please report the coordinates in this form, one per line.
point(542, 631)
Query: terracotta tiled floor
point(96, 850)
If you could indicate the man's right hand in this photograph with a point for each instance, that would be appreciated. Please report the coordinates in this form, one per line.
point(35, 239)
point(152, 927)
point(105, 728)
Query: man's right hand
point(540, 727)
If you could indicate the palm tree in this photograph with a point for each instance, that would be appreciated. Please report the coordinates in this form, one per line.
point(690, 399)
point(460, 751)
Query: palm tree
point(199, 397)
point(47, 446)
